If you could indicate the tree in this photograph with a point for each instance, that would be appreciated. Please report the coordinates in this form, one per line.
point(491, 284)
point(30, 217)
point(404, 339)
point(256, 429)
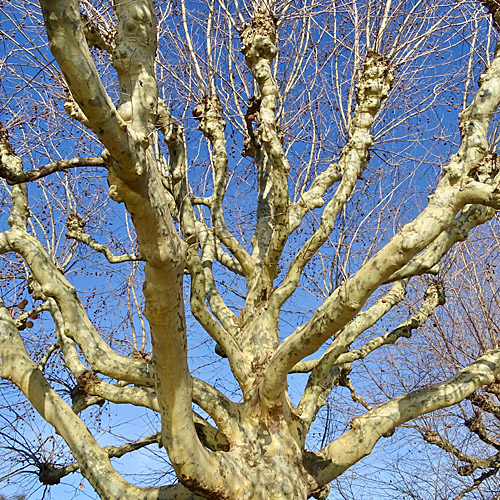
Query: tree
point(322, 99)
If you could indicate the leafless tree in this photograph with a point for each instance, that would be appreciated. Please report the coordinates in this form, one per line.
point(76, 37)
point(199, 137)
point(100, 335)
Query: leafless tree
point(273, 160)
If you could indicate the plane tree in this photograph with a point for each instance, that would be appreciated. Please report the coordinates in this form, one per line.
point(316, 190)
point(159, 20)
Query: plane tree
point(260, 151)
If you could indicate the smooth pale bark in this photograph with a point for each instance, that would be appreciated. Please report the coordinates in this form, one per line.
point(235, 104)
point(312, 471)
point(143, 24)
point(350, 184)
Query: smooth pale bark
point(372, 89)
point(427, 261)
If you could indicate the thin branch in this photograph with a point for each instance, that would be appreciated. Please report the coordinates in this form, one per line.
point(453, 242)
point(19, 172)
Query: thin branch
point(38, 173)
point(75, 231)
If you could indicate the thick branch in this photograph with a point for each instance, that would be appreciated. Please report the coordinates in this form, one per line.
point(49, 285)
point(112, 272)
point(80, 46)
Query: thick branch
point(326, 371)
point(200, 310)
point(93, 461)
point(472, 216)
point(223, 411)
point(13, 164)
point(165, 255)
point(259, 48)
point(434, 297)
point(77, 325)
point(313, 197)
point(69, 46)
point(134, 60)
point(365, 431)
point(209, 113)
point(198, 234)
point(217, 304)
point(211, 437)
point(373, 87)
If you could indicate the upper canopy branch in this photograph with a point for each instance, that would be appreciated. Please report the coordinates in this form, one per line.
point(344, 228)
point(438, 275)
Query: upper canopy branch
point(373, 87)
point(258, 40)
point(133, 58)
point(13, 164)
point(434, 297)
point(212, 124)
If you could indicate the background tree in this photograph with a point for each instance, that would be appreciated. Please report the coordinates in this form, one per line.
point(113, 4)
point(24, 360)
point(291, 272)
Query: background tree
point(292, 208)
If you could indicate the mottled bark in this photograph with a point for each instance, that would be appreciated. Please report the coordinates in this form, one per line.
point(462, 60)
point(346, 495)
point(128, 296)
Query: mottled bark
point(254, 448)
